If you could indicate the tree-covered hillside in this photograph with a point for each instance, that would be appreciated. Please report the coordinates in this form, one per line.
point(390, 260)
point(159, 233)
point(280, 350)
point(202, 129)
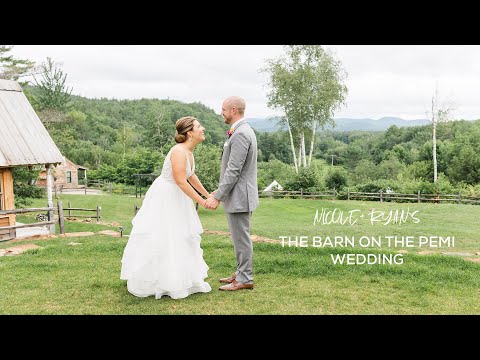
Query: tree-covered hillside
point(399, 158)
point(104, 131)
point(119, 138)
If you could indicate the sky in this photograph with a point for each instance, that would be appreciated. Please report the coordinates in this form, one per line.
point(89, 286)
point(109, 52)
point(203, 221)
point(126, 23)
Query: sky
point(382, 81)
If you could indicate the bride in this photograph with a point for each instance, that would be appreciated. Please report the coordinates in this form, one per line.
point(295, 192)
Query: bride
point(163, 254)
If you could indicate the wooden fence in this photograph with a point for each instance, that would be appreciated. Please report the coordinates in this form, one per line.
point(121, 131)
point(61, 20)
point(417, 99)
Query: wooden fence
point(70, 214)
point(51, 220)
point(418, 197)
point(58, 190)
point(297, 194)
point(374, 196)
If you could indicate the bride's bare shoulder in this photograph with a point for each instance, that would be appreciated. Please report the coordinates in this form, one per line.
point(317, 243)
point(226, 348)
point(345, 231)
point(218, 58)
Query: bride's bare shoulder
point(177, 154)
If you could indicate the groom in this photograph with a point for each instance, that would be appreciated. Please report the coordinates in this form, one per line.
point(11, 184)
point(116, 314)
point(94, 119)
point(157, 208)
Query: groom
point(238, 189)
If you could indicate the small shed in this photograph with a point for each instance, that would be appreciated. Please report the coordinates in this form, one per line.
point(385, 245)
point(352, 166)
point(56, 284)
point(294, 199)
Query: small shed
point(24, 141)
point(67, 175)
point(273, 186)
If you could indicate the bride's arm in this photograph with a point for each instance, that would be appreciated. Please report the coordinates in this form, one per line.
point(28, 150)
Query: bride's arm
point(197, 184)
point(179, 170)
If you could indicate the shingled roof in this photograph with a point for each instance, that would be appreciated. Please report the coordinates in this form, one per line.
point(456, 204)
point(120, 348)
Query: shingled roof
point(23, 138)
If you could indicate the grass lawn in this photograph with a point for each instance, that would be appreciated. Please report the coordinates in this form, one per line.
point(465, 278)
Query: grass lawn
point(84, 279)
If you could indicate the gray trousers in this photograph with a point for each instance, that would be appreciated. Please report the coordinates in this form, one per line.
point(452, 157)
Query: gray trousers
point(239, 224)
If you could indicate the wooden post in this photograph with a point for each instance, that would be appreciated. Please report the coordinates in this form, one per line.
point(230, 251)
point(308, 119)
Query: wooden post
point(49, 197)
point(98, 213)
point(418, 196)
point(301, 193)
point(85, 189)
point(459, 198)
point(69, 207)
point(348, 194)
point(110, 188)
point(6, 184)
point(61, 220)
point(381, 195)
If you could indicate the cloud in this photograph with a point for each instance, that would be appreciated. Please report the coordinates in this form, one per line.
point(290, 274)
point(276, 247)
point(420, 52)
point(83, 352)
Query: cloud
point(385, 80)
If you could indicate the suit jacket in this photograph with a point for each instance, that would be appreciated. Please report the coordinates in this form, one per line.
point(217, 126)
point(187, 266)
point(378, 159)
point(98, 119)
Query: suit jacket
point(238, 189)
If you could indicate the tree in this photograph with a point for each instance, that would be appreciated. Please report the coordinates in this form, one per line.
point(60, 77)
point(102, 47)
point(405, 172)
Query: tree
point(305, 179)
point(437, 114)
point(336, 180)
point(12, 68)
point(307, 85)
point(207, 165)
point(24, 185)
point(159, 126)
point(53, 98)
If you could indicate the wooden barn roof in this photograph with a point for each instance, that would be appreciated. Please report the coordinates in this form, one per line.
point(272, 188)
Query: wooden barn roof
point(23, 138)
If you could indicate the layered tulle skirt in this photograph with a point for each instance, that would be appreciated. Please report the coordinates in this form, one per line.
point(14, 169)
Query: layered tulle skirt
point(163, 254)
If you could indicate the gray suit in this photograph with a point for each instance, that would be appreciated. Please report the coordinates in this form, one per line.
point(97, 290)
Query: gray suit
point(238, 190)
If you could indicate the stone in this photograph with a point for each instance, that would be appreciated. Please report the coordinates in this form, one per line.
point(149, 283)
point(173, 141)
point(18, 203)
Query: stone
point(475, 260)
point(110, 233)
point(83, 233)
point(74, 243)
point(457, 253)
point(426, 252)
point(16, 250)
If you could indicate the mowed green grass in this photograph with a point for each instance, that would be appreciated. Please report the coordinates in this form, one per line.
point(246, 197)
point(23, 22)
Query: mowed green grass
point(84, 279)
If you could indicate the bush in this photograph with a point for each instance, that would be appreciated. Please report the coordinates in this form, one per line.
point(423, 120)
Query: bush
point(336, 180)
point(306, 179)
point(274, 170)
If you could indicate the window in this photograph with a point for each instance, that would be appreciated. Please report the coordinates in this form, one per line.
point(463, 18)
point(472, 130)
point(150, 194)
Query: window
point(69, 177)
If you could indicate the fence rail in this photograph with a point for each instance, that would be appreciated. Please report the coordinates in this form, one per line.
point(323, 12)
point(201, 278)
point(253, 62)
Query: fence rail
point(70, 214)
point(50, 211)
point(293, 194)
point(418, 197)
point(374, 196)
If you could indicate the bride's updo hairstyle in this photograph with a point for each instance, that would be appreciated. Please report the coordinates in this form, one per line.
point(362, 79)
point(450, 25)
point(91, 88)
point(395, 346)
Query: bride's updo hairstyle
point(183, 125)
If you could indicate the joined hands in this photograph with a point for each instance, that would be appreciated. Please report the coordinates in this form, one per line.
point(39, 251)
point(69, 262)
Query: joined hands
point(211, 203)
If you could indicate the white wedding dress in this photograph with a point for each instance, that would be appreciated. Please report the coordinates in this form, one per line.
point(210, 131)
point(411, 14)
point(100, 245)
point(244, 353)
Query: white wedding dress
point(163, 254)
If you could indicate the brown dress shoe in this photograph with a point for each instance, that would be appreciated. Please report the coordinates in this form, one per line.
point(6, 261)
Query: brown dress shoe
point(229, 279)
point(235, 285)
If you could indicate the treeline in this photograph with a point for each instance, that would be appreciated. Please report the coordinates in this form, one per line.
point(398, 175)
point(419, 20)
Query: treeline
point(103, 131)
point(399, 159)
point(118, 138)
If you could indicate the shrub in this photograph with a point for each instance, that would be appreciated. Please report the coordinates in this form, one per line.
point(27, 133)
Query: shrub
point(336, 180)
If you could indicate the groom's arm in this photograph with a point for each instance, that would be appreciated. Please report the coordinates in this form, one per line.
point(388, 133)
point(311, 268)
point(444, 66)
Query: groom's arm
point(238, 155)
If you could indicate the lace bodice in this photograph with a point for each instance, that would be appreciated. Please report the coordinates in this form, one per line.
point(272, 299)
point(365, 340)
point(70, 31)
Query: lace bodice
point(167, 165)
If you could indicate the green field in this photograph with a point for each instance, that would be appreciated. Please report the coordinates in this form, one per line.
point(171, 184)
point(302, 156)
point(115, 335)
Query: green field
point(84, 279)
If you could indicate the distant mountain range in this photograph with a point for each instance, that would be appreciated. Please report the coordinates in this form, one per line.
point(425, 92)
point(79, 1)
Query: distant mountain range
point(344, 124)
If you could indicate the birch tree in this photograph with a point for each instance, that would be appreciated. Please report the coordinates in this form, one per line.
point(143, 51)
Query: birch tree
point(437, 114)
point(306, 83)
